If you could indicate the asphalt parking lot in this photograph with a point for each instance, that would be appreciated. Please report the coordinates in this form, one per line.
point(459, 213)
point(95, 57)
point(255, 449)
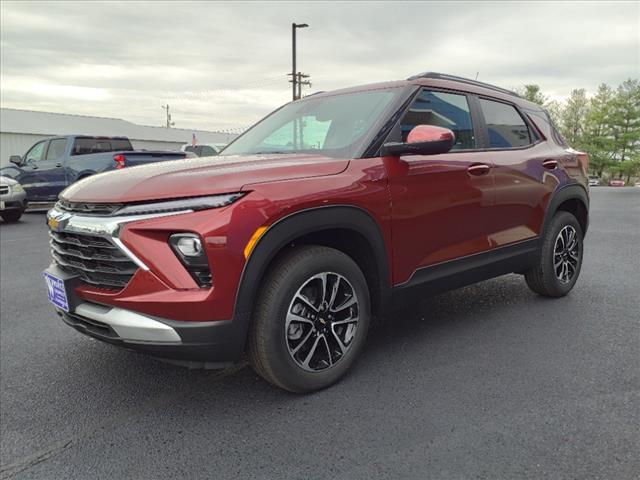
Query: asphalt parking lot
point(489, 381)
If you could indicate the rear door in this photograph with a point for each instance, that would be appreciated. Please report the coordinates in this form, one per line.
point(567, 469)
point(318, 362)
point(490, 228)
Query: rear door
point(441, 204)
point(523, 170)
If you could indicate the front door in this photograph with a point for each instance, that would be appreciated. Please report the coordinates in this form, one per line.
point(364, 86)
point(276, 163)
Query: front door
point(28, 173)
point(441, 204)
point(51, 170)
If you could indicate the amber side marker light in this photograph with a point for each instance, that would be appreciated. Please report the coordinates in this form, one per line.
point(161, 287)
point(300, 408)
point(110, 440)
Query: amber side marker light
point(253, 240)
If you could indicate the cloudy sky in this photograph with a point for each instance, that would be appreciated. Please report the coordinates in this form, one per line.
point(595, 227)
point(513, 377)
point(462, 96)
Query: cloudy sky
point(223, 65)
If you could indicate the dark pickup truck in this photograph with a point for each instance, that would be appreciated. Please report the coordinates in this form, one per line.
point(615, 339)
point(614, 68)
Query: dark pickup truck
point(51, 165)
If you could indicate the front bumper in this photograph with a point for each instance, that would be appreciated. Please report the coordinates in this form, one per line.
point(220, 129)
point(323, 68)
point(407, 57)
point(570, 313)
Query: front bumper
point(14, 201)
point(193, 344)
point(160, 310)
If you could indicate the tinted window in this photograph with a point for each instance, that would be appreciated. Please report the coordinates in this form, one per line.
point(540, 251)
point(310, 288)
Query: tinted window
point(332, 125)
point(36, 153)
point(446, 110)
point(87, 146)
point(120, 145)
point(207, 151)
point(506, 127)
point(56, 148)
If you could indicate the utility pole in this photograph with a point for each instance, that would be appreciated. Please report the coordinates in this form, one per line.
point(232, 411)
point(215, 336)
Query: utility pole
point(169, 123)
point(294, 71)
point(302, 82)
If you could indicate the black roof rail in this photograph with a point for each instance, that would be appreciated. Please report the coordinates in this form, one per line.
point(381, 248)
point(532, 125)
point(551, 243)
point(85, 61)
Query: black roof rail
point(444, 76)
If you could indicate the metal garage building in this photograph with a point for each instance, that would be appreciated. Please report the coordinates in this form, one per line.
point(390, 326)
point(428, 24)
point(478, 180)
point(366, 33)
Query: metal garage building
point(19, 129)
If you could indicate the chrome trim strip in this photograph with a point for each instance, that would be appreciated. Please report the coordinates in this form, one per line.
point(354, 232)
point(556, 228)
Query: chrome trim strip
point(108, 227)
point(130, 326)
point(129, 253)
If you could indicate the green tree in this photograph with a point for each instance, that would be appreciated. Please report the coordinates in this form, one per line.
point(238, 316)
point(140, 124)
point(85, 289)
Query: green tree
point(628, 168)
point(598, 131)
point(555, 109)
point(573, 117)
point(532, 93)
point(625, 120)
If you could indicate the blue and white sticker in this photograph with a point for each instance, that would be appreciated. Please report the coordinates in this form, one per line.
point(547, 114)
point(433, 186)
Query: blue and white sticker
point(56, 292)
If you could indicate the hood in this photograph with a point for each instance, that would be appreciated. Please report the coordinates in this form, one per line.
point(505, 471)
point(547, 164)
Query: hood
point(7, 181)
point(193, 177)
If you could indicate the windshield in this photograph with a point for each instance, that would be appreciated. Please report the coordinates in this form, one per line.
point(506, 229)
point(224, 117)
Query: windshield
point(334, 126)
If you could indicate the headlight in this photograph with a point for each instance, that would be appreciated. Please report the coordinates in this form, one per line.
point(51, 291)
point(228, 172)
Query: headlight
point(17, 188)
point(193, 204)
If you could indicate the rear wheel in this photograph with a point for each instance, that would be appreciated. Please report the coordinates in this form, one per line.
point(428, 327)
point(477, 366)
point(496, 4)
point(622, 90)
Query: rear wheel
point(311, 319)
point(560, 260)
point(12, 216)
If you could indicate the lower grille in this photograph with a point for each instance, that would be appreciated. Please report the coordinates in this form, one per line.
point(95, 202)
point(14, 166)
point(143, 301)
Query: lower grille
point(89, 325)
point(4, 189)
point(96, 260)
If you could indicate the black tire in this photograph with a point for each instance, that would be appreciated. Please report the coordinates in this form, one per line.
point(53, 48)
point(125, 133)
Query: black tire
point(270, 343)
point(544, 278)
point(12, 216)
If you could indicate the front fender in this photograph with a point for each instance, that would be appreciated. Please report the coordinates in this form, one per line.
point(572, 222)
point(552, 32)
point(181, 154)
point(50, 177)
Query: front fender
point(301, 223)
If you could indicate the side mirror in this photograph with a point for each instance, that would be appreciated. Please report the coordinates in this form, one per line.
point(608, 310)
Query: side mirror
point(17, 159)
point(422, 140)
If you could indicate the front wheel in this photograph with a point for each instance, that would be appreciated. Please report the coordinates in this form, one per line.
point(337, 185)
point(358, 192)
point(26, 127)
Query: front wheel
point(12, 216)
point(311, 319)
point(560, 260)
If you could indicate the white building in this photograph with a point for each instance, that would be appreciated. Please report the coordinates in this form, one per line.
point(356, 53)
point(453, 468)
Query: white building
point(19, 129)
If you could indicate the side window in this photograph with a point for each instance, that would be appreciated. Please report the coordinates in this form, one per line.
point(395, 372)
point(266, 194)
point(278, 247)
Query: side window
point(506, 127)
point(36, 153)
point(56, 148)
point(448, 110)
point(207, 151)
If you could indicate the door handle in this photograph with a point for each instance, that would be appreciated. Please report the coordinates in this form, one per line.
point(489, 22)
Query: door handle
point(479, 169)
point(59, 164)
point(550, 163)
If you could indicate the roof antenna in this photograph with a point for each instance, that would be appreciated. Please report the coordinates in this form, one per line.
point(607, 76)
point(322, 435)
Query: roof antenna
point(477, 73)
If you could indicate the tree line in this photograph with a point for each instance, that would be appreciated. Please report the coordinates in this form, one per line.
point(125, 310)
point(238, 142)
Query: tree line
point(606, 125)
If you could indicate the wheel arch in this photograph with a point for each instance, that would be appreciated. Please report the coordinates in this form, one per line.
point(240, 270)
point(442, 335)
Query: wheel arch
point(349, 229)
point(84, 174)
point(573, 199)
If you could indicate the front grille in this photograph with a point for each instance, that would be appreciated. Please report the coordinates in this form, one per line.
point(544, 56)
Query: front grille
point(95, 260)
point(4, 189)
point(92, 208)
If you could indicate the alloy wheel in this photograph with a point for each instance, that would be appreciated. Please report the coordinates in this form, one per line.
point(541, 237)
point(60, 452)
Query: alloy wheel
point(566, 254)
point(322, 321)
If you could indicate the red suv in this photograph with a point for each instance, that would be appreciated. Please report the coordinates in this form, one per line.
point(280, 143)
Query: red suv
point(318, 219)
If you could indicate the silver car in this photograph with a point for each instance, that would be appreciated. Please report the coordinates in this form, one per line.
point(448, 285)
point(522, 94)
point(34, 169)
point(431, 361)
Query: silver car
point(13, 200)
